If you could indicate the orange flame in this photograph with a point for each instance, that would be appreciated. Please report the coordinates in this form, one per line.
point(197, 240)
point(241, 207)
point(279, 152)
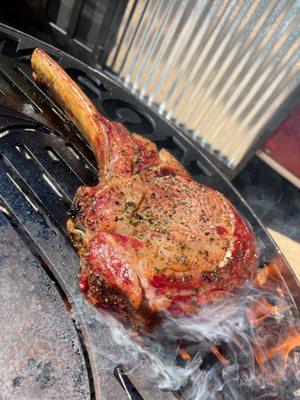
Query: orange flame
point(219, 356)
point(282, 350)
point(184, 355)
point(260, 312)
point(269, 277)
point(264, 274)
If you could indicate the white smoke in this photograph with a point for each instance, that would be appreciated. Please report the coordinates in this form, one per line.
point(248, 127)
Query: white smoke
point(223, 324)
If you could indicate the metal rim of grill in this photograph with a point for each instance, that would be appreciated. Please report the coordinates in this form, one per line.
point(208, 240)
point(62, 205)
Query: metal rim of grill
point(43, 160)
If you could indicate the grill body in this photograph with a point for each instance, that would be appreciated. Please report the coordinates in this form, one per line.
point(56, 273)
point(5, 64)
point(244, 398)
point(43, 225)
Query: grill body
point(43, 160)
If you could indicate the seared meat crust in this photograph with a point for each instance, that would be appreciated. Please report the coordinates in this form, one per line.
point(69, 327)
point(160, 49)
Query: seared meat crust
point(150, 238)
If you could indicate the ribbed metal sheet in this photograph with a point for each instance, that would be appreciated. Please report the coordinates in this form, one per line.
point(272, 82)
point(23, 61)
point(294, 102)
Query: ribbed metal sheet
point(220, 68)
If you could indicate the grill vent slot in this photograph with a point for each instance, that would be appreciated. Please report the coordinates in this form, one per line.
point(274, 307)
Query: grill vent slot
point(52, 186)
point(127, 385)
point(196, 169)
point(52, 154)
point(20, 91)
point(73, 151)
point(26, 195)
point(175, 149)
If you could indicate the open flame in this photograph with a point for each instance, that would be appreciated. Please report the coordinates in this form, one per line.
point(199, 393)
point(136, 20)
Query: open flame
point(243, 346)
point(289, 338)
point(261, 311)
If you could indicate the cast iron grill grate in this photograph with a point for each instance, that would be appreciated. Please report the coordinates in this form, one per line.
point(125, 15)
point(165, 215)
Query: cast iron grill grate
point(43, 160)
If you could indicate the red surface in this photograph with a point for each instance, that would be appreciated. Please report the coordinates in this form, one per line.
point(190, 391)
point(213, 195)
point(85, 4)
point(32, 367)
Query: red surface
point(284, 145)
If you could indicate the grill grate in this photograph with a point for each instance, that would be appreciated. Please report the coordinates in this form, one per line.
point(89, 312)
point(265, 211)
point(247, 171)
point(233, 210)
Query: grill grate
point(43, 160)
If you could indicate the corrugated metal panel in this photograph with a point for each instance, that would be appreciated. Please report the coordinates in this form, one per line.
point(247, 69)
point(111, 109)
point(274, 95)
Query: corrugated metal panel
point(221, 68)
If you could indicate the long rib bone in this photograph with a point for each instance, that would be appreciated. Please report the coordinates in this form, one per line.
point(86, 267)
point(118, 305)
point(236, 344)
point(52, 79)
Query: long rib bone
point(84, 115)
point(74, 102)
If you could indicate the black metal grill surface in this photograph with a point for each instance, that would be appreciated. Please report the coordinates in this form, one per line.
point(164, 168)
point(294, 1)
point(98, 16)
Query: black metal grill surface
point(43, 160)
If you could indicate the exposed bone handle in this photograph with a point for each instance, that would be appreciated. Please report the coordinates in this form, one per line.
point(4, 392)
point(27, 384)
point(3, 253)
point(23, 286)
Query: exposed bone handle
point(73, 101)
